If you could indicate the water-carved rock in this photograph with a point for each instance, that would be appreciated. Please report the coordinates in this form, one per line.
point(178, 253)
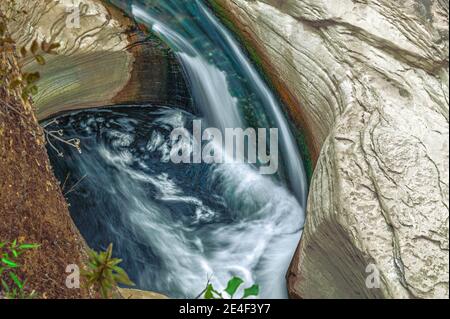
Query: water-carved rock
point(370, 79)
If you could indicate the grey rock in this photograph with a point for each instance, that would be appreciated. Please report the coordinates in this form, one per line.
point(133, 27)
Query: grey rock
point(372, 79)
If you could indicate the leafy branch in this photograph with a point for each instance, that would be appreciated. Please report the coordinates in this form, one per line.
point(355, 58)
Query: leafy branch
point(104, 273)
point(36, 50)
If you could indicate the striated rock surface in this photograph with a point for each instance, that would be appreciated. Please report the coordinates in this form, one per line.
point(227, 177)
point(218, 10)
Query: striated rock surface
point(104, 58)
point(370, 79)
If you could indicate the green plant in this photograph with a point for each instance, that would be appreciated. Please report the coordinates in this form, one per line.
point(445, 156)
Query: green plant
point(28, 80)
point(233, 285)
point(104, 273)
point(12, 287)
point(24, 84)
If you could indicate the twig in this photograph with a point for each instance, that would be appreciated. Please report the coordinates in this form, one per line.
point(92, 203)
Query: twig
point(74, 142)
point(65, 181)
point(75, 185)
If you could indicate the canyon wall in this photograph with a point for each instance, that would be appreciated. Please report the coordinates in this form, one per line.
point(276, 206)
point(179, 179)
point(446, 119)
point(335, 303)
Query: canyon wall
point(32, 206)
point(104, 57)
point(370, 81)
point(367, 79)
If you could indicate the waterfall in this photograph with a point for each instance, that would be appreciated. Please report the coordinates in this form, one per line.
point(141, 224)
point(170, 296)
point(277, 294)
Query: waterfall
point(289, 147)
point(208, 84)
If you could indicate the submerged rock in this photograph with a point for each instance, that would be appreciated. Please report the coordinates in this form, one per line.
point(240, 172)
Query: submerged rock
point(370, 82)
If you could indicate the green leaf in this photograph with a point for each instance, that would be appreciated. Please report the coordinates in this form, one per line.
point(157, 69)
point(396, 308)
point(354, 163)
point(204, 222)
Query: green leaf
point(252, 291)
point(34, 90)
point(52, 47)
point(233, 286)
point(31, 78)
point(114, 262)
point(16, 280)
point(9, 263)
point(122, 277)
point(29, 246)
point(92, 254)
point(209, 293)
point(34, 47)
point(109, 251)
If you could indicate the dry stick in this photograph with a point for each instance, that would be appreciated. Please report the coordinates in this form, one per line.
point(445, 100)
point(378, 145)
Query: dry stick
point(65, 181)
point(71, 142)
point(75, 185)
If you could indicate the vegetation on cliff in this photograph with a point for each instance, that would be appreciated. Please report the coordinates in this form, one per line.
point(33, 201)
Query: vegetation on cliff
point(32, 206)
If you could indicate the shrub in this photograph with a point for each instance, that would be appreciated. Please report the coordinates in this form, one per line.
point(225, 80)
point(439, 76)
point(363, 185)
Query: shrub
point(104, 273)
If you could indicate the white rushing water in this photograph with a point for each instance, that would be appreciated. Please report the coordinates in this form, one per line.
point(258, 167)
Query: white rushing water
point(288, 144)
point(242, 186)
point(208, 83)
point(257, 245)
point(212, 95)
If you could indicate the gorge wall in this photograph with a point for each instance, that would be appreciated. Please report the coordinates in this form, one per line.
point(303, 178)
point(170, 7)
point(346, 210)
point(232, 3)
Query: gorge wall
point(370, 80)
point(104, 58)
point(32, 206)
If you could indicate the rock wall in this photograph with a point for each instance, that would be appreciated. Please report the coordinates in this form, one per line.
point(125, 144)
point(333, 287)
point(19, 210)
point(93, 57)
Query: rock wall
point(105, 58)
point(32, 206)
point(370, 80)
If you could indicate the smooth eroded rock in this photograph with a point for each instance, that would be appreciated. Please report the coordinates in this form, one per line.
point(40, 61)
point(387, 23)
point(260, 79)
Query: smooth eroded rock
point(104, 58)
point(371, 80)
